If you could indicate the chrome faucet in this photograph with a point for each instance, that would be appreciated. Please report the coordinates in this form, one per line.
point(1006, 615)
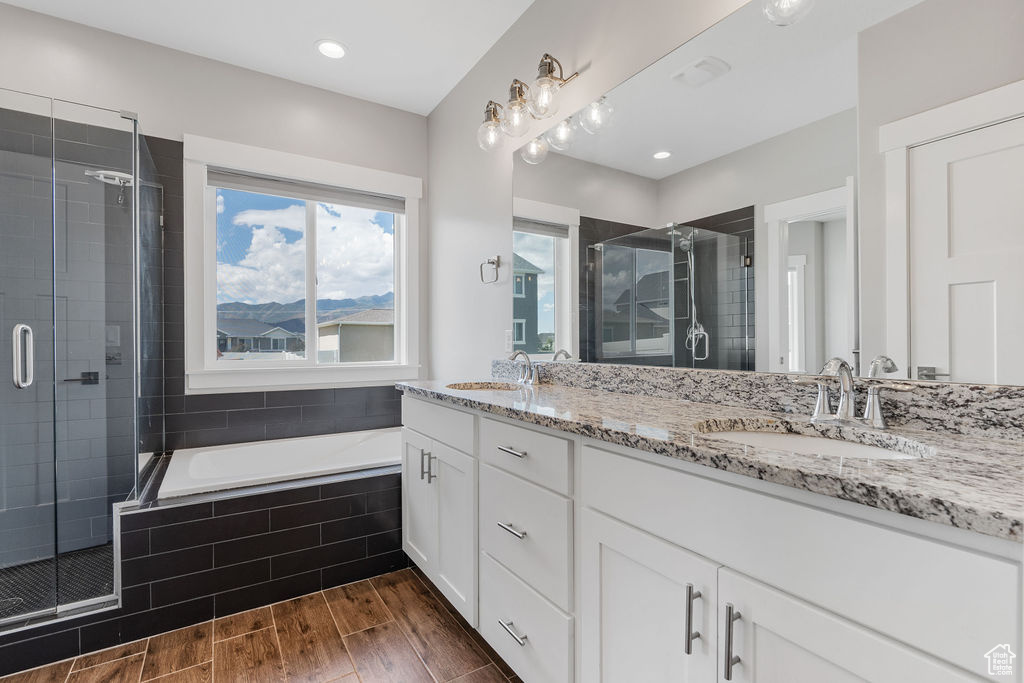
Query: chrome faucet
point(835, 369)
point(873, 408)
point(527, 371)
point(561, 353)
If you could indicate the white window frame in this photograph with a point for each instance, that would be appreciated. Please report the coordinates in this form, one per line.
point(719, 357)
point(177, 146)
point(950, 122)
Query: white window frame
point(202, 373)
point(517, 322)
point(519, 292)
point(567, 271)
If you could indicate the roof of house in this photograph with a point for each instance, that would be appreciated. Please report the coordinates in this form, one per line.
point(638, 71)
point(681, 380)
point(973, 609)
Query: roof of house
point(371, 316)
point(243, 327)
point(521, 265)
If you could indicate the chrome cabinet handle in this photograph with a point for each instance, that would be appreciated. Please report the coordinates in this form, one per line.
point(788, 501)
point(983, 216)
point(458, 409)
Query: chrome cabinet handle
point(512, 451)
point(512, 530)
point(430, 468)
point(691, 635)
point(521, 639)
point(23, 356)
point(732, 615)
point(423, 467)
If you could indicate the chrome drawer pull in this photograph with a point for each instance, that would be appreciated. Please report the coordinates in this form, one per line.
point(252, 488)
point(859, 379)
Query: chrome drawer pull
point(512, 451)
point(423, 467)
point(430, 468)
point(691, 635)
point(731, 616)
point(521, 639)
point(512, 530)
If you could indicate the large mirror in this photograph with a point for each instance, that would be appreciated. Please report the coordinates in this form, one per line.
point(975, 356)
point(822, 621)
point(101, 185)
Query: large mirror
point(765, 198)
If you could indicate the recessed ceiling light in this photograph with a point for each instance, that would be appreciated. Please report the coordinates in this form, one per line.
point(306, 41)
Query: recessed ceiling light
point(331, 48)
point(662, 155)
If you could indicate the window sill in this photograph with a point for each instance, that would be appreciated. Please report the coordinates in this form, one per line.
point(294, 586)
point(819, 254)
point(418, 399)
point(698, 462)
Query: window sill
point(289, 379)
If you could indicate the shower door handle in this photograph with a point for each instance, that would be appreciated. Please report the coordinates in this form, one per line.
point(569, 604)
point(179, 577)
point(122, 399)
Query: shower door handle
point(23, 352)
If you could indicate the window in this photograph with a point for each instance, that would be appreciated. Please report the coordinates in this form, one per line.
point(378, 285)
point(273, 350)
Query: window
point(541, 287)
point(300, 282)
point(519, 332)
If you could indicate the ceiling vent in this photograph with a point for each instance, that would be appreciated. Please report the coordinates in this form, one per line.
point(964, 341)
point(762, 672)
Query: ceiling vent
point(701, 72)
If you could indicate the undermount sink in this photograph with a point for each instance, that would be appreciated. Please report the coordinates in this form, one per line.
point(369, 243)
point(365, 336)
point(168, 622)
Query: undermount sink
point(483, 386)
point(810, 445)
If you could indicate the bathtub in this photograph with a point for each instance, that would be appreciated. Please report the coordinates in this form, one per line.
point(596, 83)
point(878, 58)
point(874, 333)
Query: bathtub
point(218, 468)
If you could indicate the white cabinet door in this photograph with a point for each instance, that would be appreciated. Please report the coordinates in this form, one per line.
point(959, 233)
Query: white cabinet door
point(453, 477)
point(419, 502)
point(778, 638)
point(636, 610)
point(966, 248)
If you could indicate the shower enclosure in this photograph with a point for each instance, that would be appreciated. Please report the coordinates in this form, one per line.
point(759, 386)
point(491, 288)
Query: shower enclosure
point(678, 296)
point(69, 411)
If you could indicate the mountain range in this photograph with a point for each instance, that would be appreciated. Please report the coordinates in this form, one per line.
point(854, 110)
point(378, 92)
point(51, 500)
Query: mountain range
point(292, 315)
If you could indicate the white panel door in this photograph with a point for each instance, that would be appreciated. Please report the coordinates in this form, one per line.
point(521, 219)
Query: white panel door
point(634, 607)
point(780, 639)
point(453, 476)
point(419, 502)
point(966, 253)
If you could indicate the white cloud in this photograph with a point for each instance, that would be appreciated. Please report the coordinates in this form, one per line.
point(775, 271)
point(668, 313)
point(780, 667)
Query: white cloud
point(548, 308)
point(355, 256)
point(220, 203)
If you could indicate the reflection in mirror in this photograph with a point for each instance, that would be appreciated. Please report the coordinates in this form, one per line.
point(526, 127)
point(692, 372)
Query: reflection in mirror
point(721, 199)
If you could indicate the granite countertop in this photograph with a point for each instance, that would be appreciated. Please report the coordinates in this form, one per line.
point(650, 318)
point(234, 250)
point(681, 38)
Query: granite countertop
point(968, 482)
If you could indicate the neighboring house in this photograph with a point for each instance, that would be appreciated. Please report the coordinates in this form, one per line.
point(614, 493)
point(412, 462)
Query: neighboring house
point(651, 327)
point(238, 336)
point(524, 305)
point(364, 336)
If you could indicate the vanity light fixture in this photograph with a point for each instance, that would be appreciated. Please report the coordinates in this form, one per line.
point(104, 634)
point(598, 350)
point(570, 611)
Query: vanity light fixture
point(489, 134)
point(330, 48)
point(544, 92)
point(516, 120)
point(662, 155)
point(596, 115)
point(534, 151)
point(561, 136)
point(786, 12)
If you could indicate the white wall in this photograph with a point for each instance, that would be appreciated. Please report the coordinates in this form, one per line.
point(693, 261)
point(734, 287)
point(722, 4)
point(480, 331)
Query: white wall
point(813, 158)
point(174, 93)
point(596, 191)
point(934, 53)
point(470, 191)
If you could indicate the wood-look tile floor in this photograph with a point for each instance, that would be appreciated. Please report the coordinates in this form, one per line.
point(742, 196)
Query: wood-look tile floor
point(395, 628)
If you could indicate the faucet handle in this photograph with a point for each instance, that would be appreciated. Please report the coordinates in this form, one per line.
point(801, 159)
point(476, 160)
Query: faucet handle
point(815, 379)
point(873, 407)
point(875, 387)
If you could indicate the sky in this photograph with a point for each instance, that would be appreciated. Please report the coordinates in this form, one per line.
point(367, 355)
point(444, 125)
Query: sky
point(540, 251)
point(261, 249)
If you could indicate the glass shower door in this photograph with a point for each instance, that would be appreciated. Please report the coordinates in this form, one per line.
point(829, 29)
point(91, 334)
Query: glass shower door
point(28, 539)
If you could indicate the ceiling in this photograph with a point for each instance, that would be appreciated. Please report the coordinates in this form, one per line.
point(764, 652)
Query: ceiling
point(781, 79)
point(406, 54)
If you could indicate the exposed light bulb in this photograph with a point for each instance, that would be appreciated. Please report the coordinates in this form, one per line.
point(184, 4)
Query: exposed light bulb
point(786, 12)
point(534, 151)
point(488, 135)
point(543, 100)
point(561, 136)
point(596, 116)
point(516, 120)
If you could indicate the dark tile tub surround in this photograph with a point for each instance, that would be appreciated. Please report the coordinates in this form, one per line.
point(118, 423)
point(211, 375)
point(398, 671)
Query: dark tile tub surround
point(988, 411)
point(189, 563)
point(216, 419)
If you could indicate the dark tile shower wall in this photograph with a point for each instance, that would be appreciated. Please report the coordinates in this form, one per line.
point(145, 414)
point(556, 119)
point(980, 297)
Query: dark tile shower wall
point(91, 259)
point(187, 564)
point(724, 292)
point(215, 419)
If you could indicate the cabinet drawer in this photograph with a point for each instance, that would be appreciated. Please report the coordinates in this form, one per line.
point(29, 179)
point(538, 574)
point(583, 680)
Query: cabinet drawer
point(448, 425)
point(546, 652)
point(542, 458)
point(542, 557)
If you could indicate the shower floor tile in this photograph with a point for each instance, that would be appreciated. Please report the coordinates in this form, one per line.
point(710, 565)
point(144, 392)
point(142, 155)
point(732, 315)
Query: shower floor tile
point(81, 575)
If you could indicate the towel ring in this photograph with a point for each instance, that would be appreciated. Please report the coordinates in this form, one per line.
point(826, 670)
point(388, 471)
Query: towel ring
point(496, 263)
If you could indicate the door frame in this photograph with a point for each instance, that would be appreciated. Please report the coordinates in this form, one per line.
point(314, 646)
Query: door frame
point(895, 141)
point(777, 217)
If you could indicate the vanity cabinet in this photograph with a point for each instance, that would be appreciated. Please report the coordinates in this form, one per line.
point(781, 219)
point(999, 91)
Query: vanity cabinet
point(439, 512)
point(647, 607)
